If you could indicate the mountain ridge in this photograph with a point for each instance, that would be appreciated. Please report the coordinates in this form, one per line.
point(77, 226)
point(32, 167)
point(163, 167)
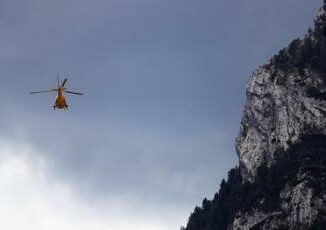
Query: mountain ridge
point(280, 181)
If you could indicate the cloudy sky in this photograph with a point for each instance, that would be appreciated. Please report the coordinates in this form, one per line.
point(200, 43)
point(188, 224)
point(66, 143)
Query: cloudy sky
point(164, 84)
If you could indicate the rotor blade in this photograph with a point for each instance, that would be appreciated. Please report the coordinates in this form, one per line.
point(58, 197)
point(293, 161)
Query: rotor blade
point(44, 91)
point(64, 82)
point(58, 79)
point(73, 92)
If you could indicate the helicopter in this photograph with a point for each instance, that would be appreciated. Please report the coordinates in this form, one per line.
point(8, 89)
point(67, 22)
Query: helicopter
point(60, 100)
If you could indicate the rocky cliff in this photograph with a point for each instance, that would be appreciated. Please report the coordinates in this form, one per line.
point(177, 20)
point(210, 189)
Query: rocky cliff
point(280, 182)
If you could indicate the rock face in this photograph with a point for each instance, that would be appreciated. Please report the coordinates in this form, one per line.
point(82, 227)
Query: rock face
point(280, 106)
point(278, 111)
point(295, 190)
point(281, 179)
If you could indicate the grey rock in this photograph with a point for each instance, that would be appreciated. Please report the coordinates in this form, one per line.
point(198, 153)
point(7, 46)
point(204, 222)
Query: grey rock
point(277, 112)
point(276, 115)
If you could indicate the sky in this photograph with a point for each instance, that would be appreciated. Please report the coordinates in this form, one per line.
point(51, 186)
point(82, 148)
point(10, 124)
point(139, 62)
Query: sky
point(164, 84)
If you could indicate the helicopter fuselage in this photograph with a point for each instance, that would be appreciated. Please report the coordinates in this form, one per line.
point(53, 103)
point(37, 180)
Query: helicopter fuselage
point(60, 100)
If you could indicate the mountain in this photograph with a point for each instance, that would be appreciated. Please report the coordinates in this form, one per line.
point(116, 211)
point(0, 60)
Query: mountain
point(281, 179)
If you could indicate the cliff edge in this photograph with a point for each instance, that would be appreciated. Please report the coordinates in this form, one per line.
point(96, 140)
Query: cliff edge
point(280, 182)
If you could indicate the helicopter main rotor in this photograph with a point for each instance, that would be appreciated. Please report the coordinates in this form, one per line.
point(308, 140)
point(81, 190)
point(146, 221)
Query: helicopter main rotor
point(59, 88)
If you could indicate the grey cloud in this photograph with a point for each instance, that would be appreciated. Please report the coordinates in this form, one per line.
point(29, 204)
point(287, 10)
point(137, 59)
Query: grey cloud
point(163, 81)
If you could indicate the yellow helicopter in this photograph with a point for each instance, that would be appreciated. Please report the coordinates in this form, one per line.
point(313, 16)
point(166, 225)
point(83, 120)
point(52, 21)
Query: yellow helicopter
point(60, 100)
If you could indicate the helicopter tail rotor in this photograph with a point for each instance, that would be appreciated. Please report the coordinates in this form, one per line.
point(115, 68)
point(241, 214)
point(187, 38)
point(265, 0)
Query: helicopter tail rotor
point(64, 82)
